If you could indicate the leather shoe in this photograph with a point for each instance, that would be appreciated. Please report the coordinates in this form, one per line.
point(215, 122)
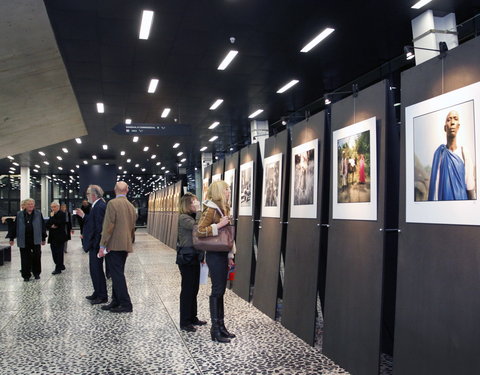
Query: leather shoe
point(110, 306)
point(92, 297)
point(63, 268)
point(37, 277)
point(56, 272)
point(98, 301)
point(198, 322)
point(189, 328)
point(26, 279)
point(121, 309)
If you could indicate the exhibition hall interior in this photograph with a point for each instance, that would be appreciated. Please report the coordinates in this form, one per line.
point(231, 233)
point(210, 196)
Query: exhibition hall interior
point(345, 134)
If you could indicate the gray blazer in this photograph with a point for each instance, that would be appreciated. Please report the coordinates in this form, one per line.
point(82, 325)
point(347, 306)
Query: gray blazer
point(39, 229)
point(185, 228)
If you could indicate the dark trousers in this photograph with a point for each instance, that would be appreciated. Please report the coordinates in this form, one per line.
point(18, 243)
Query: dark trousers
point(30, 257)
point(96, 273)
point(188, 294)
point(57, 255)
point(218, 268)
point(116, 264)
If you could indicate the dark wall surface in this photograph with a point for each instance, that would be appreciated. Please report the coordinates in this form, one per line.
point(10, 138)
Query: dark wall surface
point(438, 305)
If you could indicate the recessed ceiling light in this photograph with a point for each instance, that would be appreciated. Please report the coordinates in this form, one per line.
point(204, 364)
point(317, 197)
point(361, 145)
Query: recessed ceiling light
point(292, 83)
point(60, 168)
point(180, 164)
point(41, 153)
point(78, 140)
point(143, 169)
point(10, 157)
point(46, 162)
point(216, 104)
point(85, 162)
point(317, 39)
point(37, 166)
point(94, 157)
point(256, 113)
point(100, 108)
point(135, 139)
point(227, 60)
point(122, 153)
point(137, 165)
point(146, 24)
point(105, 147)
point(183, 160)
point(420, 4)
point(214, 138)
point(214, 125)
point(176, 145)
point(165, 112)
point(72, 170)
point(35, 170)
point(128, 121)
point(167, 172)
point(15, 163)
point(145, 148)
point(59, 157)
point(77, 166)
point(65, 150)
point(203, 148)
point(163, 168)
point(180, 153)
point(129, 160)
point(158, 163)
point(120, 167)
point(152, 87)
point(153, 156)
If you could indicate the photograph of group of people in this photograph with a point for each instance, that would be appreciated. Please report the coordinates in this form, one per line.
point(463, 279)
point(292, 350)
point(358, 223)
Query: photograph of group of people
point(272, 177)
point(246, 189)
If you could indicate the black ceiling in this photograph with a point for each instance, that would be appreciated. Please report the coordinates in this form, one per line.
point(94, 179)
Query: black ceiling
point(106, 62)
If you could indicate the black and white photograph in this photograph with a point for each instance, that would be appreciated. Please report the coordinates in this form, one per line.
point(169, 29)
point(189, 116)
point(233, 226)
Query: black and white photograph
point(303, 202)
point(442, 158)
point(272, 179)
point(245, 190)
point(354, 171)
point(230, 180)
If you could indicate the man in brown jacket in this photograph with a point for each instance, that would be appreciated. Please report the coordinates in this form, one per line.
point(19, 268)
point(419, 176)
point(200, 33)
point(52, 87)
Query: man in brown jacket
point(118, 234)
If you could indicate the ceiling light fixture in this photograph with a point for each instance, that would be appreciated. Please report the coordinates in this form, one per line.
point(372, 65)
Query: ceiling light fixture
point(256, 113)
point(15, 163)
point(137, 165)
point(128, 121)
point(37, 166)
point(227, 60)
point(153, 156)
point(145, 148)
point(65, 150)
point(180, 153)
point(46, 162)
point(135, 139)
point(78, 140)
point(176, 145)
point(122, 153)
point(105, 147)
point(59, 157)
point(146, 24)
point(214, 138)
point(158, 163)
point(10, 157)
point(420, 4)
point(317, 39)
point(41, 153)
point(94, 157)
point(85, 162)
point(214, 125)
point(165, 112)
point(183, 160)
point(216, 104)
point(100, 108)
point(129, 160)
point(203, 148)
point(152, 87)
point(290, 84)
point(120, 167)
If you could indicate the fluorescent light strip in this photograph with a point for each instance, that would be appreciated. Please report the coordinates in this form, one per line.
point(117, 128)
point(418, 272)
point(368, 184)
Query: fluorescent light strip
point(176, 145)
point(216, 104)
point(256, 113)
point(145, 148)
point(128, 121)
point(135, 139)
point(214, 125)
point(147, 20)
point(100, 108)
point(65, 150)
point(227, 60)
point(10, 157)
point(152, 87)
point(420, 4)
point(317, 39)
point(203, 148)
point(213, 139)
point(165, 112)
point(292, 83)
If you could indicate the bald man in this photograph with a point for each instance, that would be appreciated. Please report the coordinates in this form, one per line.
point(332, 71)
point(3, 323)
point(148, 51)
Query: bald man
point(452, 176)
point(118, 234)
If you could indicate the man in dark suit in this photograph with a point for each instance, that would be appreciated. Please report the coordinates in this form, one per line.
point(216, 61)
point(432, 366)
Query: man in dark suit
point(92, 233)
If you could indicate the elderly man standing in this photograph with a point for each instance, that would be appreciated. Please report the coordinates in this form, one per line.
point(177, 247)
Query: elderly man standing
point(92, 232)
point(118, 235)
point(30, 232)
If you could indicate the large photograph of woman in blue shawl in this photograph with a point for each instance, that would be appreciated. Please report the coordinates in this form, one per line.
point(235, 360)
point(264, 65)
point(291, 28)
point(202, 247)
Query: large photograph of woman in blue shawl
point(444, 147)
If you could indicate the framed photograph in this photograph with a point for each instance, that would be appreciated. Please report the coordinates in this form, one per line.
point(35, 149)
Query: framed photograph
point(272, 185)
point(205, 185)
point(441, 146)
point(354, 166)
point(245, 191)
point(216, 177)
point(303, 197)
point(230, 180)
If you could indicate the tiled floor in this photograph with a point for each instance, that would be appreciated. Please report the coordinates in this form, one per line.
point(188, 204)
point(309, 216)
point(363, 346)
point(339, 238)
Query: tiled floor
point(48, 327)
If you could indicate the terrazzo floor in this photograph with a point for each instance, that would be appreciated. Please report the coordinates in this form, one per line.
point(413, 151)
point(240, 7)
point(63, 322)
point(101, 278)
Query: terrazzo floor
point(48, 327)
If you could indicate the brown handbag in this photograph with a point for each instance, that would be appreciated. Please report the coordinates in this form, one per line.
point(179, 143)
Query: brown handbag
point(221, 243)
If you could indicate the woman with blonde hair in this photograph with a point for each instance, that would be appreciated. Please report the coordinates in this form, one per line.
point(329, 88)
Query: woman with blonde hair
point(216, 215)
point(188, 260)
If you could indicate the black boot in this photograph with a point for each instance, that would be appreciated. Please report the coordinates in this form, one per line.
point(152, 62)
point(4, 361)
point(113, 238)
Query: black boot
point(215, 330)
point(221, 322)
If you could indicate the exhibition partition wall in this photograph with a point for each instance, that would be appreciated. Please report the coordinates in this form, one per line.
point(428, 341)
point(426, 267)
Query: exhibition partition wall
point(151, 202)
point(217, 170)
point(156, 214)
point(249, 197)
point(437, 326)
point(231, 178)
point(177, 190)
point(302, 256)
point(273, 229)
point(353, 295)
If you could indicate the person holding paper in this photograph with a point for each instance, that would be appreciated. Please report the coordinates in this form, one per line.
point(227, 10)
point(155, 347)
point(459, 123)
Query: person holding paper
point(188, 260)
point(216, 215)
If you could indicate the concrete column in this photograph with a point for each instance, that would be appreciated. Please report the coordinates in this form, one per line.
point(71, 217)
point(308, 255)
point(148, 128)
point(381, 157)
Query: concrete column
point(24, 183)
point(259, 133)
point(44, 195)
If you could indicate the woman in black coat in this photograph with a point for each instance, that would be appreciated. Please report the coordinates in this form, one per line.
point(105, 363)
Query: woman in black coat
point(68, 225)
point(57, 236)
